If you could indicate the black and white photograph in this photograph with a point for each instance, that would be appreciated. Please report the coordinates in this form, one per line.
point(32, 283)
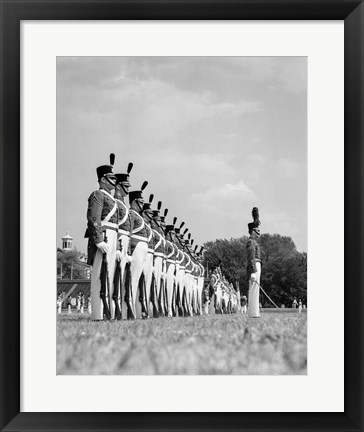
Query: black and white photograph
point(181, 215)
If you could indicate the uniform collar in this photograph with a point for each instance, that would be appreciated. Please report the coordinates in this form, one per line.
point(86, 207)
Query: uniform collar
point(107, 193)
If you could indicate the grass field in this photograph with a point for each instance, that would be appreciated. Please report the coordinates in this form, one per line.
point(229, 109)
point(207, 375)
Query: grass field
point(274, 344)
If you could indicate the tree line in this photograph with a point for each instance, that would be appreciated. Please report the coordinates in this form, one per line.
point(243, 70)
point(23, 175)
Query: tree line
point(70, 266)
point(284, 269)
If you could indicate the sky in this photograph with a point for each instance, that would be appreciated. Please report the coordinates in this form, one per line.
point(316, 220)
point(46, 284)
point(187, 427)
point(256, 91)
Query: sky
point(213, 136)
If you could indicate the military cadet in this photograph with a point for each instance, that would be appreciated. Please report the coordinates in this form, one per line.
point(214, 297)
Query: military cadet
point(171, 255)
point(79, 301)
point(139, 241)
point(122, 188)
point(253, 265)
point(188, 277)
point(82, 303)
point(89, 304)
point(180, 269)
point(148, 265)
point(200, 280)
point(59, 304)
point(102, 232)
point(159, 246)
point(163, 287)
point(244, 302)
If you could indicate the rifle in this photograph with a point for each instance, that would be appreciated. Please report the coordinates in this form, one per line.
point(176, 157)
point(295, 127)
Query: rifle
point(116, 293)
point(174, 295)
point(165, 300)
point(105, 284)
point(128, 297)
point(161, 296)
point(143, 295)
point(153, 297)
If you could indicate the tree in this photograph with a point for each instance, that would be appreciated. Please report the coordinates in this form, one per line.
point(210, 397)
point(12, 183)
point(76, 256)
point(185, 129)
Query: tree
point(284, 269)
point(69, 265)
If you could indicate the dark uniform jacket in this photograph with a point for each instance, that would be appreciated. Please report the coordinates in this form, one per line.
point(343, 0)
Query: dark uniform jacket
point(139, 230)
point(158, 242)
point(100, 204)
point(124, 219)
point(253, 252)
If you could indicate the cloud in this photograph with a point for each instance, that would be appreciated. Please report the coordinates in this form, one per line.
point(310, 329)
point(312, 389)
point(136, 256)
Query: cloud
point(256, 159)
point(288, 168)
point(239, 191)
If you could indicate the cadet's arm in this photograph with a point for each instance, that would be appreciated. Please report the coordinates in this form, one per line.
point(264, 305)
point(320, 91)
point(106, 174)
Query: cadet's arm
point(94, 211)
point(251, 256)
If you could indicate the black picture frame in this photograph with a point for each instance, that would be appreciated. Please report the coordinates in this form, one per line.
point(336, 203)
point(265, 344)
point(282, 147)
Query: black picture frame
point(12, 12)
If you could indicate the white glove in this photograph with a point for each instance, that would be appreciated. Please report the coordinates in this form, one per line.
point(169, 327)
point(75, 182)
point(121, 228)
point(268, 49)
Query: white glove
point(118, 256)
point(153, 270)
point(102, 246)
point(129, 258)
point(253, 277)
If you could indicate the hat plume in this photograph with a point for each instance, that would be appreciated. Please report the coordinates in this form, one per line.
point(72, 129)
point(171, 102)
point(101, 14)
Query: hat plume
point(255, 215)
point(130, 167)
point(112, 158)
point(144, 185)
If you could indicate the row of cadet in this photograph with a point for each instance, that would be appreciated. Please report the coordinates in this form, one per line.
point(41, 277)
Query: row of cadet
point(80, 302)
point(141, 266)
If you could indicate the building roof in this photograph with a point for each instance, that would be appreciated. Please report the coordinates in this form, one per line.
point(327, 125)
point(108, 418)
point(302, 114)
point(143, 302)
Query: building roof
point(67, 236)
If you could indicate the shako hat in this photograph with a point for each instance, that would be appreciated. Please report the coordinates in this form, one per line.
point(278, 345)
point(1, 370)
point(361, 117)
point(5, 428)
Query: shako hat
point(254, 226)
point(178, 229)
point(106, 170)
point(156, 213)
point(163, 218)
point(133, 195)
point(169, 228)
point(147, 205)
point(125, 178)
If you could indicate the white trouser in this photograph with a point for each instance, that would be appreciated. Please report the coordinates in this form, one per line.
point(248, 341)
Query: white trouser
point(125, 239)
point(96, 303)
point(218, 296)
point(253, 305)
point(170, 284)
point(244, 309)
point(200, 292)
point(180, 275)
point(158, 263)
point(148, 267)
point(188, 289)
point(137, 265)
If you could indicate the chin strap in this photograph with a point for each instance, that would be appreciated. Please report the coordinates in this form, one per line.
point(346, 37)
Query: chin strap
point(126, 193)
point(112, 184)
point(140, 208)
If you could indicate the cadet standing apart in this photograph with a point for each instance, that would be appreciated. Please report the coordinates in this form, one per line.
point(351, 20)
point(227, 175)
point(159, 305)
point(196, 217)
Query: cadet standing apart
point(253, 265)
